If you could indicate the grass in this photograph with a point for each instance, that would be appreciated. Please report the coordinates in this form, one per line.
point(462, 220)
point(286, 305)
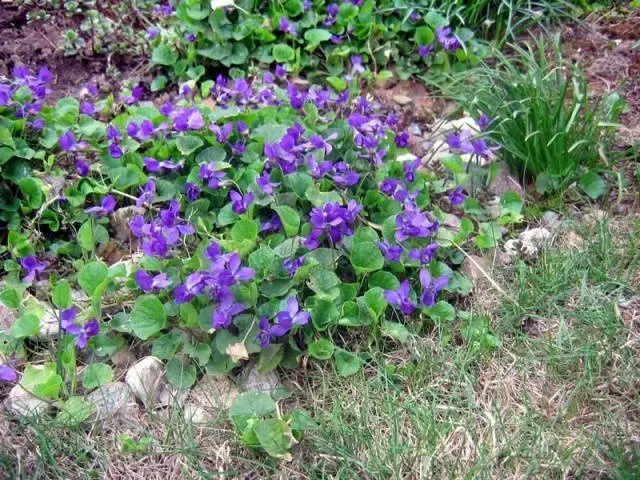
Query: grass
point(557, 400)
point(550, 128)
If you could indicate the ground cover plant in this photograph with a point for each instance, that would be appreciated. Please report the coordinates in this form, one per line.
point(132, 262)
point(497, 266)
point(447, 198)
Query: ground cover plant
point(258, 236)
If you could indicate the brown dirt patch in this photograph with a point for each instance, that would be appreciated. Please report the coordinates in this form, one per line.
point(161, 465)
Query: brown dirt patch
point(40, 43)
point(604, 47)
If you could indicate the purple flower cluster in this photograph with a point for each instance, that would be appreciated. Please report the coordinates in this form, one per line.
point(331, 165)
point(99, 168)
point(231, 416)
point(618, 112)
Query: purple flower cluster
point(224, 272)
point(465, 142)
point(401, 298)
point(36, 86)
point(447, 39)
point(32, 268)
point(161, 233)
point(82, 333)
point(332, 220)
point(285, 321)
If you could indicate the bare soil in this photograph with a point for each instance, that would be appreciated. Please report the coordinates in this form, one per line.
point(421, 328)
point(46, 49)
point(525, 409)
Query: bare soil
point(40, 43)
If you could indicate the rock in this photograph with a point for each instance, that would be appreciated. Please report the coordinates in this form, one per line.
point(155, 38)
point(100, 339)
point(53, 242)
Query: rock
point(505, 182)
point(402, 100)
point(120, 221)
point(472, 267)
point(79, 298)
point(21, 402)
point(7, 317)
point(253, 381)
point(593, 217)
point(531, 241)
point(213, 395)
point(148, 383)
point(112, 399)
point(551, 220)
point(414, 129)
point(451, 221)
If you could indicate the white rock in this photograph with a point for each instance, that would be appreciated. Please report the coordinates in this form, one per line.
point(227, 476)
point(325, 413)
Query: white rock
point(147, 381)
point(402, 100)
point(532, 240)
point(7, 318)
point(211, 397)
point(414, 129)
point(112, 399)
point(253, 381)
point(21, 402)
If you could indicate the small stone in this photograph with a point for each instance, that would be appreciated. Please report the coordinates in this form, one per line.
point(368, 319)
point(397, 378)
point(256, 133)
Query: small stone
point(7, 317)
point(533, 240)
point(505, 182)
point(253, 381)
point(451, 221)
point(213, 395)
point(79, 297)
point(146, 379)
point(120, 221)
point(112, 399)
point(402, 100)
point(21, 402)
point(414, 129)
point(551, 220)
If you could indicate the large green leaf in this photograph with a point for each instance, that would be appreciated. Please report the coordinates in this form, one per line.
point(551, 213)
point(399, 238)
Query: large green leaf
point(92, 275)
point(366, 257)
point(290, 219)
point(147, 317)
point(163, 55)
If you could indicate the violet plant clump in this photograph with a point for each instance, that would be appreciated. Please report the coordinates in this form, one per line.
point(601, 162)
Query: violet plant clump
point(253, 229)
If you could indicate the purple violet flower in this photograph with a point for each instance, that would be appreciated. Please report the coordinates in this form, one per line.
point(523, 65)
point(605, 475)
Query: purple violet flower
point(424, 255)
point(425, 50)
point(239, 203)
point(67, 141)
point(82, 333)
point(192, 191)
point(430, 287)
point(265, 184)
point(456, 196)
point(288, 318)
point(401, 299)
point(8, 374)
point(82, 167)
point(410, 169)
point(147, 193)
point(32, 268)
point(484, 121)
point(148, 283)
point(447, 39)
point(389, 251)
point(223, 314)
point(106, 207)
point(291, 265)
